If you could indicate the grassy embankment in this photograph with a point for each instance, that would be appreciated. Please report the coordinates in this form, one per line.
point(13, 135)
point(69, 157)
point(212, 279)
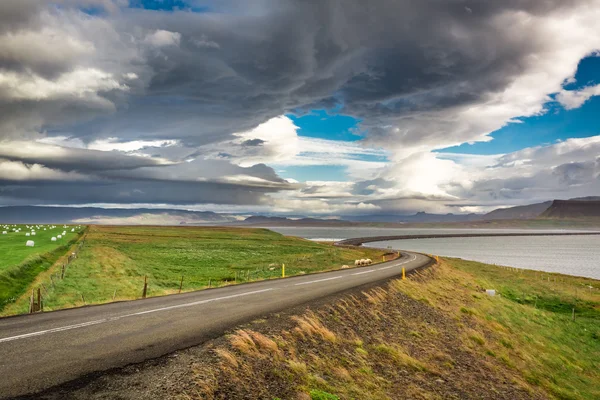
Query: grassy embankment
point(435, 335)
point(115, 261)
point(20, 265)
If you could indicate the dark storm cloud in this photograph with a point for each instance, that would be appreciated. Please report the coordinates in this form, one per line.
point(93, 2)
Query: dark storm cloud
point(69, 159)
point(127, 192)
point(382, 60)
point(416, 74)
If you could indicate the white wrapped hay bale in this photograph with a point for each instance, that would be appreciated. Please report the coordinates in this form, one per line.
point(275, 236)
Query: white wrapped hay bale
point(30, 243)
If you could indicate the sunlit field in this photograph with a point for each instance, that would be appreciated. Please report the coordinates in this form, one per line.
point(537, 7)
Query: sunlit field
point(116, 260)
point(20, 264)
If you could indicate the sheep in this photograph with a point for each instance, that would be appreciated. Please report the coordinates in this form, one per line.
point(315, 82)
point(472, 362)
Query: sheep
point(28, 234)
point(32, 233)
point(30, 243)
point(356, 263)
point(369, 261)
point(345, 267)
point(53, 239)
point(58, 236)
point(72, 229)
point(4, 232)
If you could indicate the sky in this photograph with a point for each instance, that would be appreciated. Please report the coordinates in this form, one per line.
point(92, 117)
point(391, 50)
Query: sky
point(324, 108)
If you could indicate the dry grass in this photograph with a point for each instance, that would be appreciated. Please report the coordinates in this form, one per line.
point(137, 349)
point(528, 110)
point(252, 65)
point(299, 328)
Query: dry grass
point(381, 344)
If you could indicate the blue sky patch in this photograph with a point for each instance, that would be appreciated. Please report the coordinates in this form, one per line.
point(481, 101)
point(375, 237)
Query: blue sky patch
point(314, 173)
point(554, 125)
point(322, 125)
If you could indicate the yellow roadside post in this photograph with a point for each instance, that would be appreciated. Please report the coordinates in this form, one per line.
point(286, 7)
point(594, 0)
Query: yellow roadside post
point(283, 270)
point(382, 258)
point(403, 274)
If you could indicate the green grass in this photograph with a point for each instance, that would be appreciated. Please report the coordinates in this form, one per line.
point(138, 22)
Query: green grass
point(20, 265)
point(12, 245)
point(115, 261)
point(529, 325)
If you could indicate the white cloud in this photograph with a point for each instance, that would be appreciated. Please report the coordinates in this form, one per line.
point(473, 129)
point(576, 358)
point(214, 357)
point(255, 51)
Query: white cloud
point(112, 143)
point(163, 38)
point(78, 83)
point(21, 172)
point(571, 99)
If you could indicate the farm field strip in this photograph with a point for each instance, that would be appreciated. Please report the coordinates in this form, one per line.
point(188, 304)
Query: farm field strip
point(116, 261)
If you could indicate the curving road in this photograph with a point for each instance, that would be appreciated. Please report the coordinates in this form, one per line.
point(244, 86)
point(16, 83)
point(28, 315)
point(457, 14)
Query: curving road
point(39, 351)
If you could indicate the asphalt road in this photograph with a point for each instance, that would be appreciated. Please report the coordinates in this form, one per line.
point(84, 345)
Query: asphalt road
point(40, 351)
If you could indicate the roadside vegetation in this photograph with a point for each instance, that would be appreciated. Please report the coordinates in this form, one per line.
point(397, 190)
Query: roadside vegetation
point(435, 335)
point(20, 264)
point(115, 262)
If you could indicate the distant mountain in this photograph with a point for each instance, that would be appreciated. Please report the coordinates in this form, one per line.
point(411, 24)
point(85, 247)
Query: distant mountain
point(518, 212)
point(109, 216)
point(420, 217)
point(282, 221)
point(572, 209)
point(588, 198)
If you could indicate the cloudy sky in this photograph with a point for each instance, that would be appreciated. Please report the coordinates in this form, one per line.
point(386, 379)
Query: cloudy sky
point(321, 107)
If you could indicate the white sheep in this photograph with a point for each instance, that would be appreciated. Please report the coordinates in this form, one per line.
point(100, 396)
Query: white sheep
point(369, 261)
point(28, 234)
point(53, 238)
point(58, 236)
point(30, 243)
point(4, 232)
point(356, 263)
point(72, 229)
point(32, 233)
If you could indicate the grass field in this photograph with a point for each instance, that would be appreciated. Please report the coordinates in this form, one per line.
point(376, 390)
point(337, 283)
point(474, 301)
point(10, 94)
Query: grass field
point(19, 264)
point(115, 261)
point(12, 245)
point(448, 339)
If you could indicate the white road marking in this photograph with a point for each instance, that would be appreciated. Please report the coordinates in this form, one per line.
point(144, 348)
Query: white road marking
point(363, 272)
point(318, 280)
point(100, 321)
point(195, 303)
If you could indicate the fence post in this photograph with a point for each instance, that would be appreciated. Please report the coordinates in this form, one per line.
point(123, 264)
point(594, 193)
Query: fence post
point(209, 282)
point(403, 273)
point(40, 306)
point(145, 287)
point(62, 273)
point(181, 284)
point(31, 299)
point(283, 270)
point(114, 294)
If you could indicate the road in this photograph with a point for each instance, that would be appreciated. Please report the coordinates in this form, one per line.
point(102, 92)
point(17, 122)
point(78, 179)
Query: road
point(40, 351)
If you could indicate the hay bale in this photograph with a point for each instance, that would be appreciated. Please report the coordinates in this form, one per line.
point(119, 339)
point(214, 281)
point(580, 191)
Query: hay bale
point(30, 243)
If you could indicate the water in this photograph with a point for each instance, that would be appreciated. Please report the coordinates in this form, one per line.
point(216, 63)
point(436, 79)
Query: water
point(573, 255)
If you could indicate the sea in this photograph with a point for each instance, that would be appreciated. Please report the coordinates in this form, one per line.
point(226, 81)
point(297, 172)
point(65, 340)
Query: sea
point(571, 255)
